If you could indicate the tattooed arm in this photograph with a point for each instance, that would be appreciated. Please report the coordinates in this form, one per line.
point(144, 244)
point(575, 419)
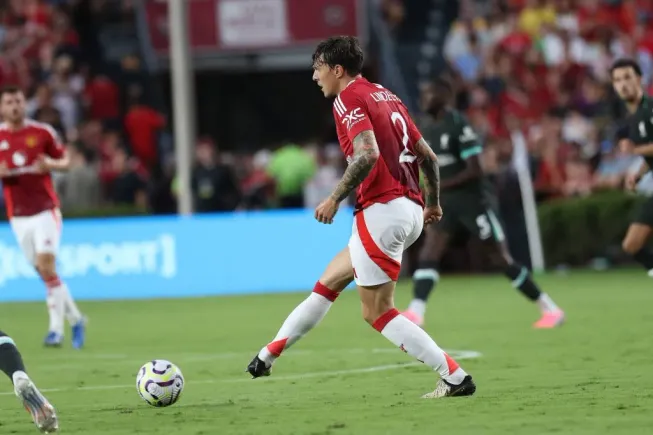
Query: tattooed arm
point(366, 153)
point(431, 170)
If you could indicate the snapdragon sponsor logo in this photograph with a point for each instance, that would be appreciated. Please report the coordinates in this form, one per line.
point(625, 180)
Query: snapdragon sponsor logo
point(154, 257)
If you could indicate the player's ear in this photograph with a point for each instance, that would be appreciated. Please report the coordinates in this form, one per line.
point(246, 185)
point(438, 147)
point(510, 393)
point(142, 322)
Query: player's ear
point(339, 71)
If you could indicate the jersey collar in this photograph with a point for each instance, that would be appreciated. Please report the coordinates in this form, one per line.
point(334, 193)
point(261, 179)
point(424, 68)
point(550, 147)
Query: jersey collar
point(350, 83)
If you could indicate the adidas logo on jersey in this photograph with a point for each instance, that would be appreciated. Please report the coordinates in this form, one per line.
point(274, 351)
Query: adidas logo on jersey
point(4, 145)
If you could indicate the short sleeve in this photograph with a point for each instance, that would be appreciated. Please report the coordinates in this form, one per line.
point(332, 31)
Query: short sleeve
point(352, 113)
point(54, 146)
point(468, 142)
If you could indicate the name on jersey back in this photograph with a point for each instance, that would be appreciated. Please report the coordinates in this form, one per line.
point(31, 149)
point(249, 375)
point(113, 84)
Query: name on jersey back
point(383, 96)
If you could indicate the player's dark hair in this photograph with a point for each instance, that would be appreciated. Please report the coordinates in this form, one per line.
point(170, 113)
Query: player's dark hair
point(626, 63)
point(9, 89)
point(345, 51)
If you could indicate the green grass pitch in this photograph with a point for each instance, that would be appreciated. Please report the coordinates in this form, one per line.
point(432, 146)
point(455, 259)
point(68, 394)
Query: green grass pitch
point(592, 376)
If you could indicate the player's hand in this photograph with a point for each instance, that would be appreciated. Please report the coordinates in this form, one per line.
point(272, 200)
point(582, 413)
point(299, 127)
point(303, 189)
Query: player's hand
point(327, 209)
point(432, 213)
point(631, 181)
point(41, 165)
point(4, 170)
point(626, 146)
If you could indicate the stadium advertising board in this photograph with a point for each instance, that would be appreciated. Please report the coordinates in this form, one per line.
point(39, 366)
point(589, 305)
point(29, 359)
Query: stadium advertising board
point(255, 25)
point(159, 257)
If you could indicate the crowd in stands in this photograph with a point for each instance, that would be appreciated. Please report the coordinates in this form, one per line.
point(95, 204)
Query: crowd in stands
point(111, 134)
point(537, 66)
point(543, 65)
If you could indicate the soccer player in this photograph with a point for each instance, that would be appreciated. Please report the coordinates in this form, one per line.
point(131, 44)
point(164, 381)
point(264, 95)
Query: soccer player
point(11, 363)
point(29, 150)
point(638, 140)
point(384, 151)
point(469, 202)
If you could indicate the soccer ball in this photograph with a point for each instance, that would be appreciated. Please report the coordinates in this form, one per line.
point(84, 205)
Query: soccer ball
point(160, 383)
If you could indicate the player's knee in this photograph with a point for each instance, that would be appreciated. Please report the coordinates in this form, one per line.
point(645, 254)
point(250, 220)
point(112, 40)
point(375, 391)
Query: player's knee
point(46, 265)
point(337, 283)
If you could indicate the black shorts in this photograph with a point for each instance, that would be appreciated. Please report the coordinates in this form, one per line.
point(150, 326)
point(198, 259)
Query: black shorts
point(644, 214)
point(477, 218)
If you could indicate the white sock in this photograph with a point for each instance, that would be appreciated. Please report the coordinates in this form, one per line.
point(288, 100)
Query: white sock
point(73, 315)
point(417, 343)
point(418, 307)
point(546, 304)
point(56, 301)
point(302, 319)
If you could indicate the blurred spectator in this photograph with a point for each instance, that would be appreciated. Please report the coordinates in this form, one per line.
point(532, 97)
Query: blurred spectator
point(162, 199)
point(106, 147)
point(79, 187)
point(291, 168)
point(142, 124)
point(326, 178)
point(257, 185)
point(578, 178)
point(393, 12)
point(534, 15)
point(66, 87)
point(102, 97)
point(127, 187)
point(43, 107)
point(613, 168)
point(214, 183)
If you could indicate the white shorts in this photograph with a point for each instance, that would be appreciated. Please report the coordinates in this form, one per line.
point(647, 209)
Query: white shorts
point(380, 235)
point(38, 234)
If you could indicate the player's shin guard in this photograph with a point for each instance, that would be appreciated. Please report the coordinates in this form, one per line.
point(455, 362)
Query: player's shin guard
point(11, 362)
point(412, 339)
point(645, 257)
point(303, 318)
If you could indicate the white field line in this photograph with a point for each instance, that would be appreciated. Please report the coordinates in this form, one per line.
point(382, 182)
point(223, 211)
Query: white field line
point(94, 360)
point(456, 354)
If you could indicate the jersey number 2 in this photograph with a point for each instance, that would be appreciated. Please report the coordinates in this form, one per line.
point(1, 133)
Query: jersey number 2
point(406, 156)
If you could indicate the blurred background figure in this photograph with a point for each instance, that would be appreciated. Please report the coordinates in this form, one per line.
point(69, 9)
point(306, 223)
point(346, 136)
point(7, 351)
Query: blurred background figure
point(214, 183)
point(291, 167)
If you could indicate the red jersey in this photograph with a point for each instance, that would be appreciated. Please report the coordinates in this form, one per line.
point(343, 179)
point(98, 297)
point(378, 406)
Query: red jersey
point(367, 106)
point(27, 192)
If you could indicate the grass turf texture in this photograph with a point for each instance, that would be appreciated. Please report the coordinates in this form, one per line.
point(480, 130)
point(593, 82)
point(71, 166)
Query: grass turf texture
point(592, 376)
